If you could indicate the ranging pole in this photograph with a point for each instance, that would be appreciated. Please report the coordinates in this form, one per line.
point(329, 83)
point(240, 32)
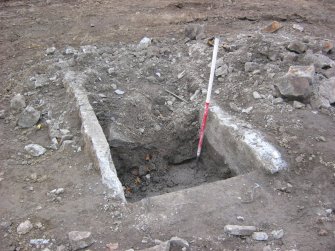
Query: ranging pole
point(208, 98)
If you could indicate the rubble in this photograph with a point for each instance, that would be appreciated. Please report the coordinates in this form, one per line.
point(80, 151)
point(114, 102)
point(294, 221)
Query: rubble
point(260, 236)
point(79, 240)
point(297, 83)
point(35, 150)
point(297, 47)
point(29, 117)
point(24, 227)
point(277, 234)
point(327, 90)
point(18, 103)
point(239, 230)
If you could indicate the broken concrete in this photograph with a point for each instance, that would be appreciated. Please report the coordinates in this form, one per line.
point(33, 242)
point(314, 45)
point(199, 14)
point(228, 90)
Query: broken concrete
point(244, 149)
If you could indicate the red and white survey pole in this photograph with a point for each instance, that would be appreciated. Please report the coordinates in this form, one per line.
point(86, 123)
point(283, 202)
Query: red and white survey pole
point(208, 97)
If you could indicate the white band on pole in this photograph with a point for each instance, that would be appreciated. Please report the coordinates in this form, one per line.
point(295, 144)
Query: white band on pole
point(211, 77)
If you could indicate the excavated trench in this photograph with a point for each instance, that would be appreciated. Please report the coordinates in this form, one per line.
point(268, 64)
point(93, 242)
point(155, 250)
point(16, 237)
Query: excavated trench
point(158, 167)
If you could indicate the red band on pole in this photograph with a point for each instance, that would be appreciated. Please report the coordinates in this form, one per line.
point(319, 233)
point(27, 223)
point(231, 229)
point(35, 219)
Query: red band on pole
point(202, 129)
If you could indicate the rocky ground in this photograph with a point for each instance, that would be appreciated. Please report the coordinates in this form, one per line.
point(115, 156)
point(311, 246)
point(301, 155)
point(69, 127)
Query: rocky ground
point(147, 79)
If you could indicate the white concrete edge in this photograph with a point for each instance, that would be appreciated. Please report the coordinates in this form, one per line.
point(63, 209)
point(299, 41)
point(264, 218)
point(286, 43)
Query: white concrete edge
point(94, 138)
point(264, 152)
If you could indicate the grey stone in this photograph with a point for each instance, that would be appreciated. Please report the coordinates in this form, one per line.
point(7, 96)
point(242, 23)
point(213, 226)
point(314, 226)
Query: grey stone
point(247, 110)
point(277, 234)
point(256, 95)
point(29, 117)
point(178, 244)
point(80, 240)
point(296, 84)
point(260, 236)
point(18, 103)
point(119, 92)
point(24, 227)
point(298, 105)
point(251, 66)
point(35, 150)
point(277, 101)
point(221, 71)
point(320, 61)
point(144, 43)
point(297, 47)
point(70, 50)
point(50, 50)
point(194, 31)
point(239, 230)
point(2, 114)
point(61, 248)
point(327, 90)
point(88, 49)
point(298, 27)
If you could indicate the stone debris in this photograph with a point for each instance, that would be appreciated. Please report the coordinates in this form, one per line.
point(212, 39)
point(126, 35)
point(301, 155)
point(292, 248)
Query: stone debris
point(50, 50)
point(2, 114)
point(80, 240)
point(24, 227)
point(277, 101)
point(327, 90)
point(240, 218)
point(177, 244)
point(194, 31)
point(35, 150)
point(239, 230)
point(296, 84)
point(18, 103)
point(221, 71)
point(70, 51)
point(251, 66)
point(297, 47)
point(119, 92)
point(320, 61)
point(256, 95)
point(327, 46)
point(260, 236)
point(298, 105)
point(273, 27)
point(57, 191)
point(247, 110)
point(144, 43)
point(277, 234)
point(298, 27)
point(29, 117)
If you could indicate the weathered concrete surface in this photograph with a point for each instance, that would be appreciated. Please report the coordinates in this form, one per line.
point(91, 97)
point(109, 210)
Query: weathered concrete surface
point(95, 140)
point(244, 149)
point(205, 210)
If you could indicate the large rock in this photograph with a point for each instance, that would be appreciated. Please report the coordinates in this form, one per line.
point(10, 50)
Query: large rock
point(24, 227)
point(18, 103)
point(35, 150)
point(297, 47)
point(327, 90)
point(80, 240)
point(297, 83)
point(29, 117)
point(239, 230)
point(178, 244)
point(194, 31)
point(320, 61)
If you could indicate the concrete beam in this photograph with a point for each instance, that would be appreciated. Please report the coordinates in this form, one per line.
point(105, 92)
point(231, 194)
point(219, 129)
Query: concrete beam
point(244, 149)
point(94, 138)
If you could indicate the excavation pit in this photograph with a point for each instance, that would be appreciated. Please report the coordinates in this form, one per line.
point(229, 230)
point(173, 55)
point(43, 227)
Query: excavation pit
point(145, 172)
